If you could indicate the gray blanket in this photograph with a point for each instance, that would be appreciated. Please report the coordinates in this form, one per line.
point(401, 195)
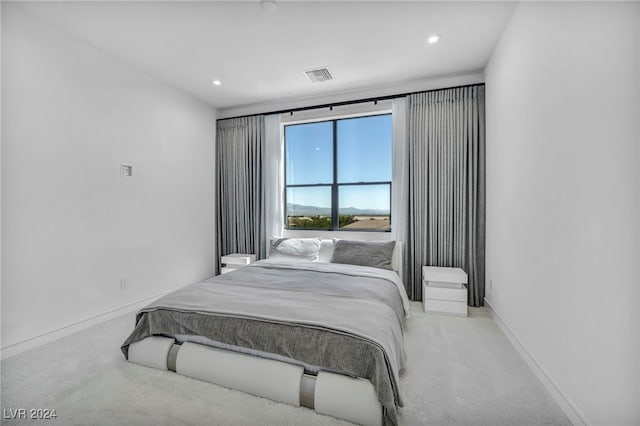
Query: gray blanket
point(342, 318)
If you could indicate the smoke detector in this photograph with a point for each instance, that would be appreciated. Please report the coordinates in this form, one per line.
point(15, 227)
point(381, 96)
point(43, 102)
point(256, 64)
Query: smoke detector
point(319, 75)
point(269, 5)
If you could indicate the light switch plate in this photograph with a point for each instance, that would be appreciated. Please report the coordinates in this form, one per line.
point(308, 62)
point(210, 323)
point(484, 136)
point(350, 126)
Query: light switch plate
point(126, 170)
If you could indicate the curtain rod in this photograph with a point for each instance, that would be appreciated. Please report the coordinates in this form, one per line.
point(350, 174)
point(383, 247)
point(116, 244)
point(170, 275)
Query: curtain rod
point(352, 102)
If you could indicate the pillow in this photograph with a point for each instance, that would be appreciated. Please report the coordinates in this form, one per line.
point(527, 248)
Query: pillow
point(364, 253)
point(294, 248)
point(326, 249)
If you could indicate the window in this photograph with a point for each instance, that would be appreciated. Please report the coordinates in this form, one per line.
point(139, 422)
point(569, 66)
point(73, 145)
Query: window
point(338, 174)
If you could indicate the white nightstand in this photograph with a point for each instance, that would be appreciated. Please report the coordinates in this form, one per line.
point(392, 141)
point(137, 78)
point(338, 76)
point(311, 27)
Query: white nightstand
point(444, 290)
point(235, 261)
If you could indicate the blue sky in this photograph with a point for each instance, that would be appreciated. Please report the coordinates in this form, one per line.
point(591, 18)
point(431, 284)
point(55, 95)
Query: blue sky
point(364, 155)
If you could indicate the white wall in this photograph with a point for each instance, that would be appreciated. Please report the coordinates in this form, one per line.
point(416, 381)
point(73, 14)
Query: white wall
point(72, 228)
point(562, 198)
point(637, 296)
point(0, 175)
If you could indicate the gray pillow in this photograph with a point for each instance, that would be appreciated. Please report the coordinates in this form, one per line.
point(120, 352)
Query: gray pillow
point(364, 253)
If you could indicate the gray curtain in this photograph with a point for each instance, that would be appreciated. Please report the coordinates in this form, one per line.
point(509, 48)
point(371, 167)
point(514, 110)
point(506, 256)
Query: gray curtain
point(239, 187)
point(446, 136)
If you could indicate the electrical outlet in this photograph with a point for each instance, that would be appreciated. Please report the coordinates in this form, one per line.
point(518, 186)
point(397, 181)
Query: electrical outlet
point(124, 284)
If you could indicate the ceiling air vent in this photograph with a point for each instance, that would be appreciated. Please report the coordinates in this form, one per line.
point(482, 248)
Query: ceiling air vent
point(319, 75)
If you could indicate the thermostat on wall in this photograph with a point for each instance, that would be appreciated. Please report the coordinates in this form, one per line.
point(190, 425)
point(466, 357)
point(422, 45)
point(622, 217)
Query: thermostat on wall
point(126, 170)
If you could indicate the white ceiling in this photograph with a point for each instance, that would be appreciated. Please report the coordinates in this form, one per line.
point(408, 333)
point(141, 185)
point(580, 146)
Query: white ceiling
point(260, 56)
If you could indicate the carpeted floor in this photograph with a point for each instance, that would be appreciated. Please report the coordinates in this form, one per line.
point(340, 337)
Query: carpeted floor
point(462, 371)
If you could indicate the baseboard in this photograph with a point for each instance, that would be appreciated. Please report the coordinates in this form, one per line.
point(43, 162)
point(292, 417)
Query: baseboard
point(569, 408)
point(34, 342)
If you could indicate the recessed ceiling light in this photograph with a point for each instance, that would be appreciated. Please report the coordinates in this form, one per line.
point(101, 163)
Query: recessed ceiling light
point(216, 82)
point(433, 38)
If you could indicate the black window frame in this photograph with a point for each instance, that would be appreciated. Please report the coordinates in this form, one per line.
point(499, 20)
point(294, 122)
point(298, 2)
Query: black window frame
point(335, 204)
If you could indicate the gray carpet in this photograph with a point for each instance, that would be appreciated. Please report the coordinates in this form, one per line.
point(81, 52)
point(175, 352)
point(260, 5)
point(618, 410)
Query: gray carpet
point(462, 371)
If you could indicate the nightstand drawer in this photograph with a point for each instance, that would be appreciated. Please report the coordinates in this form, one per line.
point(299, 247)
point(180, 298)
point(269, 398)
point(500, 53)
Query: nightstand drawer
point(439, 276)
point(238, 259)
point(443, 293)
point(231, 262)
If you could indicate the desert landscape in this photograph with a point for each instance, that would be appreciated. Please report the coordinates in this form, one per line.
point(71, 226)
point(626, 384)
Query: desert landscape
point(350, 222)
point(378, 223)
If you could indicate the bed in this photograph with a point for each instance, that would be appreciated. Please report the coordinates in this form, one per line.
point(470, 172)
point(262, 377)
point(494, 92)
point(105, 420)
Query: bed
point(317, 324)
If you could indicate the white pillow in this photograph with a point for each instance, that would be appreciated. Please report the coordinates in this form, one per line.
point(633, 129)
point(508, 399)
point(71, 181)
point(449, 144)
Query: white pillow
point(294, 248)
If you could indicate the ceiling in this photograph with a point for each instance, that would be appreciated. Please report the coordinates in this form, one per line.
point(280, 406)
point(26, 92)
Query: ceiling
point(260, 55)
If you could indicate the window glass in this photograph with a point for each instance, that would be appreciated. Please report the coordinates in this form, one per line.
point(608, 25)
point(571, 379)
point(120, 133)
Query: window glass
point(364, 149)
point(365, 207)
point(309, 207)
point(309, 153)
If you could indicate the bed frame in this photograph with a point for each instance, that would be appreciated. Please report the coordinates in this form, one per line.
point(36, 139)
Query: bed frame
point(348, 398)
